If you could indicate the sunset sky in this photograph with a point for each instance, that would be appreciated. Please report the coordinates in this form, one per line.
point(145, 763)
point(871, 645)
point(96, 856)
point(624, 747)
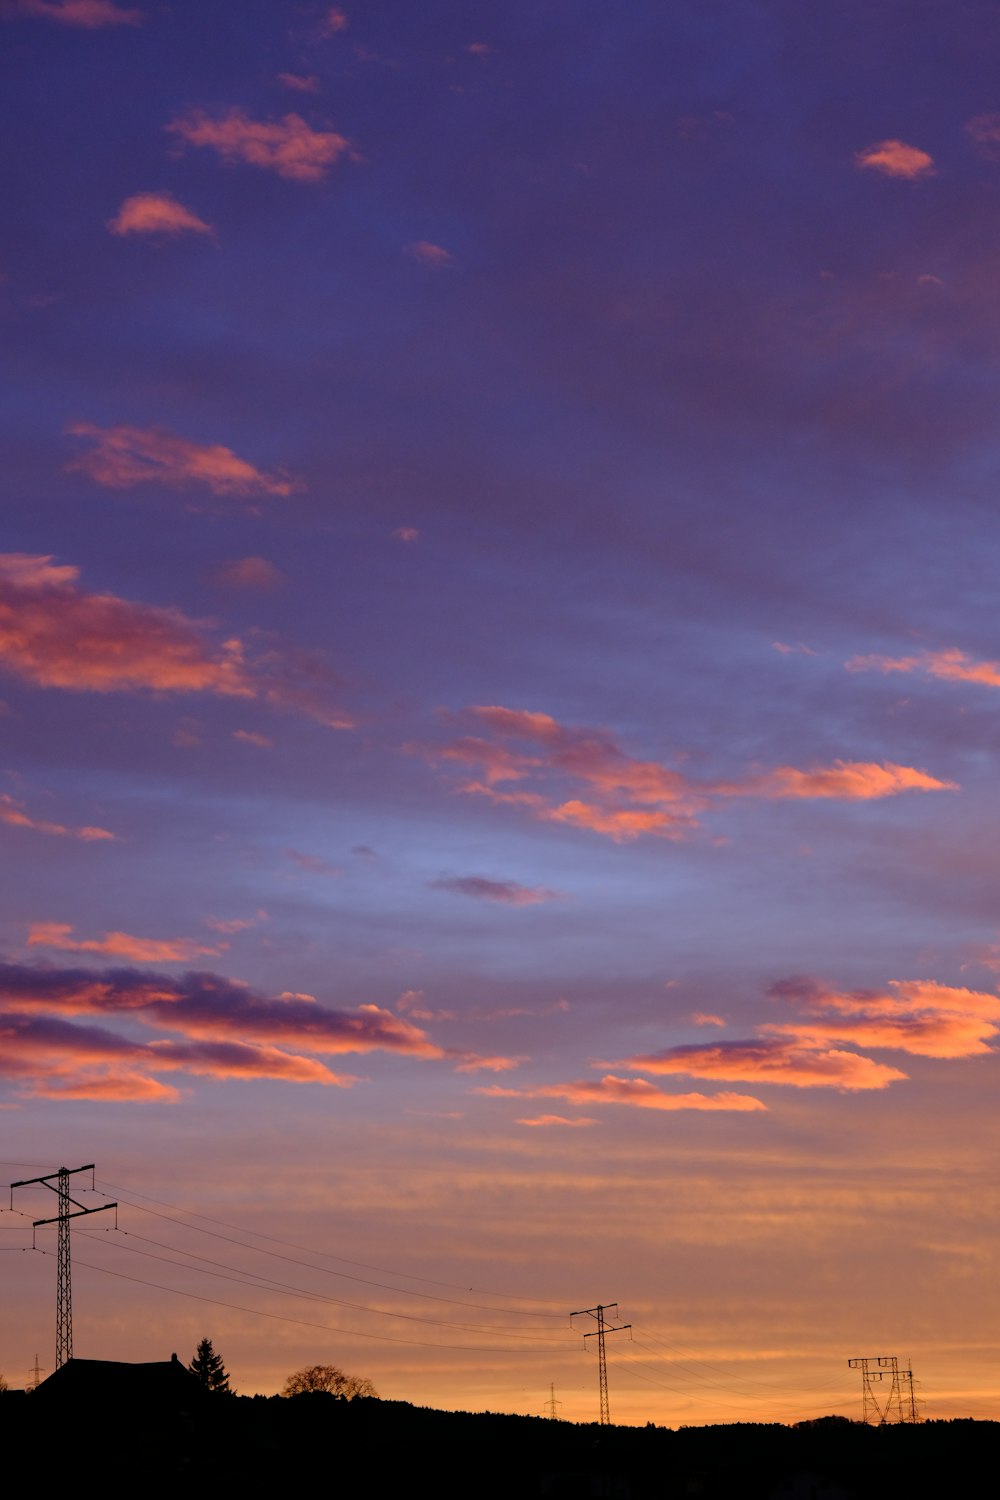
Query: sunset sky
point(500, 693)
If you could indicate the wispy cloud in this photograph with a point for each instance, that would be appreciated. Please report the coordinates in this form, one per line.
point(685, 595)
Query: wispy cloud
point(13, 813)
point(508, 892)
point(120, 457)
point(951, 665)
point(985, 131)
point(334, 21)
point(628, 797)
point(157, 213)
point(253, 737)
point(301, 83)
point(59, 935)
point(288, 146)
point(89, 15)
point(54, 635)
point(312, 864)
point(896, 159)
point(430, 254)
point(632, 1091)
point(250, 573)
point(544, 1121)
point(847, 781)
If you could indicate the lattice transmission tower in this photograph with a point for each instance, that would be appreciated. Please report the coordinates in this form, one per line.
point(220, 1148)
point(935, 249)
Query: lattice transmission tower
point(64, 1285)
point(886, 1390)
point(598, 1333)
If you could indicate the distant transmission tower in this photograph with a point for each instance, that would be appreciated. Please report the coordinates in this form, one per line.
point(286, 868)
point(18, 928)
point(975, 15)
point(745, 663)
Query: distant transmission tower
point(552, 1403)
point(35, 1374)
point(64, 1288)
point(598, 1334)
point(886, 1390)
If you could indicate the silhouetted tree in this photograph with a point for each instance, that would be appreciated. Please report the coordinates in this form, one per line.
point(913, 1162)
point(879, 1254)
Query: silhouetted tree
point(210, 1370)
point(327, 1378)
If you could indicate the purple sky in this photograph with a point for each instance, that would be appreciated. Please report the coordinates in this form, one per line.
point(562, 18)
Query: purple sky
point(499, 688)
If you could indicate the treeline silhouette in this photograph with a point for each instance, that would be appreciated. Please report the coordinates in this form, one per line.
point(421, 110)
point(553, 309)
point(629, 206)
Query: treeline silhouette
point(163, 1417)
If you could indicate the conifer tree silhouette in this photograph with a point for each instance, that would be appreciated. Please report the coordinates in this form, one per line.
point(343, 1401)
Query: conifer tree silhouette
point(209, 1368)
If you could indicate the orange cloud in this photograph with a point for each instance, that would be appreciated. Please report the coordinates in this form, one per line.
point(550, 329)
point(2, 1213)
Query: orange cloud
point(920, 1017)
point(13, 813)
point(157, 213)
point(124, 456)
point(52, 634)
point(472, 1062)
point(546, 1120)
point(896, 159)
point(951, 665)
point(236, 924)
point(430, 254)
point(119, 945)
point(770, 1060)
point(508, 892)
point(849, 781)
point(628, 797)
point(701, 1019)
point(634, 1091)
point(288, 146)
point(90, 15)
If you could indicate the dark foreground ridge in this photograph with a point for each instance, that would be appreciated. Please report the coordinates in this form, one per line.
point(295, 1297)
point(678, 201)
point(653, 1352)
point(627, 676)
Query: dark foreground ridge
point(160, 1424)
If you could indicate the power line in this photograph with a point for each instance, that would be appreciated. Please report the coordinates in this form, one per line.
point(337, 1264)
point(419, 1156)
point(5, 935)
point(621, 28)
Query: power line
point(362, 1265)
point(327, 1270)
point(257, 1312)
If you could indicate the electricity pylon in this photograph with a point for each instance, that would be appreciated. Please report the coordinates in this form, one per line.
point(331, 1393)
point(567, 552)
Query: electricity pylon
point(64, 1287)
point(886, 1390)
point(552, 1403)
point(598, 1334)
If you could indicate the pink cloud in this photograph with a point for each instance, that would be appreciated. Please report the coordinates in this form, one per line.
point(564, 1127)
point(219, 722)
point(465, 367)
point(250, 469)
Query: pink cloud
point(628, 797)
point(544, 1121)
point(312, 863)
point(253, 737)
point(632, 1091)
point(124, 456)
point(157, 213)
point(985, 131)
point(508, 892)
point(53, 1058)
point(235, 924)
point(250, 573)
point(896, 159)
point(429, 254)
point(480, 49)
point(288, 146)
point(701, 1019)
point(950, 664)
point(54, 635)
point(58, 935)
point(13, 814)
point(798, 649)
point(301, 83)
point(406, 534)
point(89, 15)
point(225, 1030)
point(334, 21)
